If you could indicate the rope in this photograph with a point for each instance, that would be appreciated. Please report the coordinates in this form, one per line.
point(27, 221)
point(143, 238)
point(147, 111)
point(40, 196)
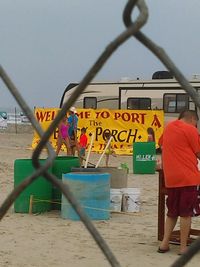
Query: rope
point(36, 200)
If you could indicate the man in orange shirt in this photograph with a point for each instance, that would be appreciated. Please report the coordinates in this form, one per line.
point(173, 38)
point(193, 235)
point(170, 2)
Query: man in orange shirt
point(180, 149)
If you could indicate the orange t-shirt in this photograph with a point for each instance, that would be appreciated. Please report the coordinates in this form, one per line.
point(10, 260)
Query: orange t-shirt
point(180, 143)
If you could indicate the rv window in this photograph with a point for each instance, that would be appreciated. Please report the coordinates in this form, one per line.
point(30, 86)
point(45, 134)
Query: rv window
point(175, 103)
point(90, 102)
point(138, 103)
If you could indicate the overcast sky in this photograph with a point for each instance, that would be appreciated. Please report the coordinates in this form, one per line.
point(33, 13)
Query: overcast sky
point(47, 44)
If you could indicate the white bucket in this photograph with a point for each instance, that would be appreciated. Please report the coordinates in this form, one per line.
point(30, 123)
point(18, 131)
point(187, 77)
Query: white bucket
point(131, 199)
point(115, 199)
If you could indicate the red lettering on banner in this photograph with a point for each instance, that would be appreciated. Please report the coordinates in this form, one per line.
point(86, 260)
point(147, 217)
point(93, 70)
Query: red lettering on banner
point(103, 114)
point(101, 146)
point(81, 115)
point(126, 116)
point(40, 116)
point(84, 114)
point(48, 116)
point(156, 122)
point(133, 117)
point(142, 117)
point(97, 114)
point(116, 115)
point(87, 114)
point(45, 116)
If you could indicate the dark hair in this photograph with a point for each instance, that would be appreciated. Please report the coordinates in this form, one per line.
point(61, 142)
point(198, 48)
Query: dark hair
point(83, 129)
point(72, 137)
point(151, 131)
point(188, 114)
point(107, 135)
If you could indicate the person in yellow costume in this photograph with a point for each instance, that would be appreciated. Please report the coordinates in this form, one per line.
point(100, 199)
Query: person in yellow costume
point(109, 151)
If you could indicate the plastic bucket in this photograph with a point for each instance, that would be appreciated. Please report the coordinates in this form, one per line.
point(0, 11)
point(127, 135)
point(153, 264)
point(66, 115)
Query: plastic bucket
point(92, 190)
point(131, 199)
point(115, 199)
point(118, 177)
point(40, 189)
point(61, 164)
point(74, 169)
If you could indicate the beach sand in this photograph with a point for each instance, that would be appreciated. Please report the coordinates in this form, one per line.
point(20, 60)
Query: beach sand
point(48, 240)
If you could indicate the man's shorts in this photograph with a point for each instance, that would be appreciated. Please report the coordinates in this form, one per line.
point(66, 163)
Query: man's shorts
point(183, 201)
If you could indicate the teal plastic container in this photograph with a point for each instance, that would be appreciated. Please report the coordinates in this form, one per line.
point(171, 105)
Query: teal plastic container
point(92, 190)
point(144, 157)
point(61, 164)
point(40, 189)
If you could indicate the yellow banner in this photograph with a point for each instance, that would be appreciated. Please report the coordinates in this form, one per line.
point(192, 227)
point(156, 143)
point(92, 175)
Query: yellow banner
point(126, 126)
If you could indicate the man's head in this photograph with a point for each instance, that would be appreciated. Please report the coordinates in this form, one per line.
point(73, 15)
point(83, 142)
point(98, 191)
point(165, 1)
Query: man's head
point(73, 110)
point(189, 116)
point(106, 135)
point(83, 130)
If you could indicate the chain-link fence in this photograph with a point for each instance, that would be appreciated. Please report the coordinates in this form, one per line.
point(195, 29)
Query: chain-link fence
point(133, 29)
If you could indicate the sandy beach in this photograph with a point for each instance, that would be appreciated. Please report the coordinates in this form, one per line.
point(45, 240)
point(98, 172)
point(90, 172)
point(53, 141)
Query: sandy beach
point(48, 240)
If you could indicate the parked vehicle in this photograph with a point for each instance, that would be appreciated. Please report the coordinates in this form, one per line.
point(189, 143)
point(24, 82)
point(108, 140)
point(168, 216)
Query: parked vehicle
point(166, 94)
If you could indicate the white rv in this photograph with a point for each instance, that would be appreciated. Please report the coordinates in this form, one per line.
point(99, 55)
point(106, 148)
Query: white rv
point(165, 94)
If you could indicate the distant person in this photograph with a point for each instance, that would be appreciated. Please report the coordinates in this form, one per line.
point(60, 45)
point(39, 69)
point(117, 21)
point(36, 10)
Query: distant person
point(151, 138)
point(109, 151)
point(73, 122)
point(82, 144)
point(73, 145)
point(151, 135)
point(180, 149)
point(63, 136)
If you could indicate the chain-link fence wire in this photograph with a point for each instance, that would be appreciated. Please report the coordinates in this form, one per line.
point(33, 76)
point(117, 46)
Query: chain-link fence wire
point(132, 29)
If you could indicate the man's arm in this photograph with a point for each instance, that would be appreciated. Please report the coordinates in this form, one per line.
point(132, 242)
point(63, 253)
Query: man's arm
point(198, 155)
point(160, 141)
